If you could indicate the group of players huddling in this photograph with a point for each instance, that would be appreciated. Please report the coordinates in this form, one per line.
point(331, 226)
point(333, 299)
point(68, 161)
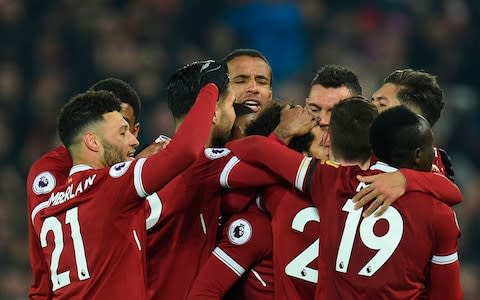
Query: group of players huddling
point(252, 198)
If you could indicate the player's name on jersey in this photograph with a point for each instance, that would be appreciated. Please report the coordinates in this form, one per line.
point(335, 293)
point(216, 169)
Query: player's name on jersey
point(60, 197)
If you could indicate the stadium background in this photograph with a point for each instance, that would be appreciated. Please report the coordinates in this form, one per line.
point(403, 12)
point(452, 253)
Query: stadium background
point(51, 50)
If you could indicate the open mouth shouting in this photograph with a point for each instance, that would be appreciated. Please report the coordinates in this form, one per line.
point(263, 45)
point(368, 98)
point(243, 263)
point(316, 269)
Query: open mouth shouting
point(252, 104)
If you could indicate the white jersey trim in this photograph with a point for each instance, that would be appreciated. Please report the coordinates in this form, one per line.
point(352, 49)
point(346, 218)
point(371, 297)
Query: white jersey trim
point(137, 178)
point(383, 167)
point(226, 171)
point(445, 260)
point(302, 172)
point(259, 278)
point(230, 262)
point(136, 240)
point(38, 208)
point(155, 210)
point(79, 168)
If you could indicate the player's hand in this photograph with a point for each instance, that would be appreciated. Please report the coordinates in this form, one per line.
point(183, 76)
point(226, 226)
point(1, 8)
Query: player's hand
point(447, 163)
point(160, 143)
point(215, 72)
point(294, 121)
point(383, 189)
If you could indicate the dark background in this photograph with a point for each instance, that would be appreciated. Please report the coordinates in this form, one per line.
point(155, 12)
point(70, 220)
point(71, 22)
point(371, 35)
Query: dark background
point(51, 50)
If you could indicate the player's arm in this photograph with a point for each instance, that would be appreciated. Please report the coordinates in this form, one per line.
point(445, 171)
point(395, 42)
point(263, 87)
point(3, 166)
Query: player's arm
point(185, 147)
point(237, 174)
point(435, 184)
point(445, 268)
point(271, 154)
point(245, 241)
point(386, 188)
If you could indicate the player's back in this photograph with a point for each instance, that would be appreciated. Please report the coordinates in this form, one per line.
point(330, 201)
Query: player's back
point(92, 230)
point(46, 173)
point(375, 258)
point(184, 233)
point(295, 225)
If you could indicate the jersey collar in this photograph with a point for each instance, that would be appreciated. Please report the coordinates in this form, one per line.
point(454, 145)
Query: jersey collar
point(383, 167)
point(79, 168)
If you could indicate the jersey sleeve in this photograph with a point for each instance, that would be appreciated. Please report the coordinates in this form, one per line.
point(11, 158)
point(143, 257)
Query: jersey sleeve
point(186, 146)
point(246, 239)
point(237, 201)
point(240, 175)
point(445, 267)
point(277, 157)
point(435, 184)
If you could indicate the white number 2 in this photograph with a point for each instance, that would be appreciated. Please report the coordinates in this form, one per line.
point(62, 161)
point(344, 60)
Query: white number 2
point(385, 244)
point(53, 224)
point(298, 266)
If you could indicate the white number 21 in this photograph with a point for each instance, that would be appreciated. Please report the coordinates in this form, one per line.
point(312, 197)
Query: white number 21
point(385, 244)
point(53, 224)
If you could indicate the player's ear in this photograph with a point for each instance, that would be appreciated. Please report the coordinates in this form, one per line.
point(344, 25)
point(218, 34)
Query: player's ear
point(418, 156)
point(92, 141)
point(215, 114)
point(136, 129)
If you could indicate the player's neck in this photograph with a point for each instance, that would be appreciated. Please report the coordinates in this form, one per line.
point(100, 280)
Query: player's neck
point(92, 159)
point(363, 165)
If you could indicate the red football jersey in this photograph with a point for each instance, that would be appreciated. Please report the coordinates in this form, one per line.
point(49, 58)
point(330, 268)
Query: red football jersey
point(45, 174)
point(295, 225)
point(425, 223)
point(91, 236)
point(242, 260)
point(94, 224)
point(384, 257)
point(184, 220)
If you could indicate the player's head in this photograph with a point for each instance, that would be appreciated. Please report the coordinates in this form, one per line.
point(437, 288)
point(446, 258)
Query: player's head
point(244, 115)
point(182, 90)
point(417, 90)
point(403, 139)
point(250, 77)
point(130, 101)
point(331, 84)
point(266, 121)
point(91, 126)
point(349, 130)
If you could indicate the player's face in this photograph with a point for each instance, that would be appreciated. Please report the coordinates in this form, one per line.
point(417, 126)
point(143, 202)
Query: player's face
point(241, 122)
point(316, 149)
point(129, 115)
point(426, 149)
point(386, 97)
point(250, 79)
point(224, 119)
point(320, 102)
point(118, 142)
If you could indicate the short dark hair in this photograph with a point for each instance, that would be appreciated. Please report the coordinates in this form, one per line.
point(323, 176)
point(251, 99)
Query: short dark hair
point(251, 53)
point(350, 127)
point(266, 121)
point(122, 90)
point(335, 76)
point(395, 135)
point(82, 110)
point(419, 89)
point(182, 89)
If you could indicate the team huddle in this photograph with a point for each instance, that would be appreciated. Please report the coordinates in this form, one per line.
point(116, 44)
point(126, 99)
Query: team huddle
point(342, 198)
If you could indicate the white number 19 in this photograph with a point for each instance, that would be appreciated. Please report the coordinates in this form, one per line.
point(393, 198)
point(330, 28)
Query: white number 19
point(386, 244)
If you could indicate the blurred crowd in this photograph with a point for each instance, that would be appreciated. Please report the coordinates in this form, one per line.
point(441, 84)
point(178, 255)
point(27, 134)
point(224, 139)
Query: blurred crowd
point(51, 50)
